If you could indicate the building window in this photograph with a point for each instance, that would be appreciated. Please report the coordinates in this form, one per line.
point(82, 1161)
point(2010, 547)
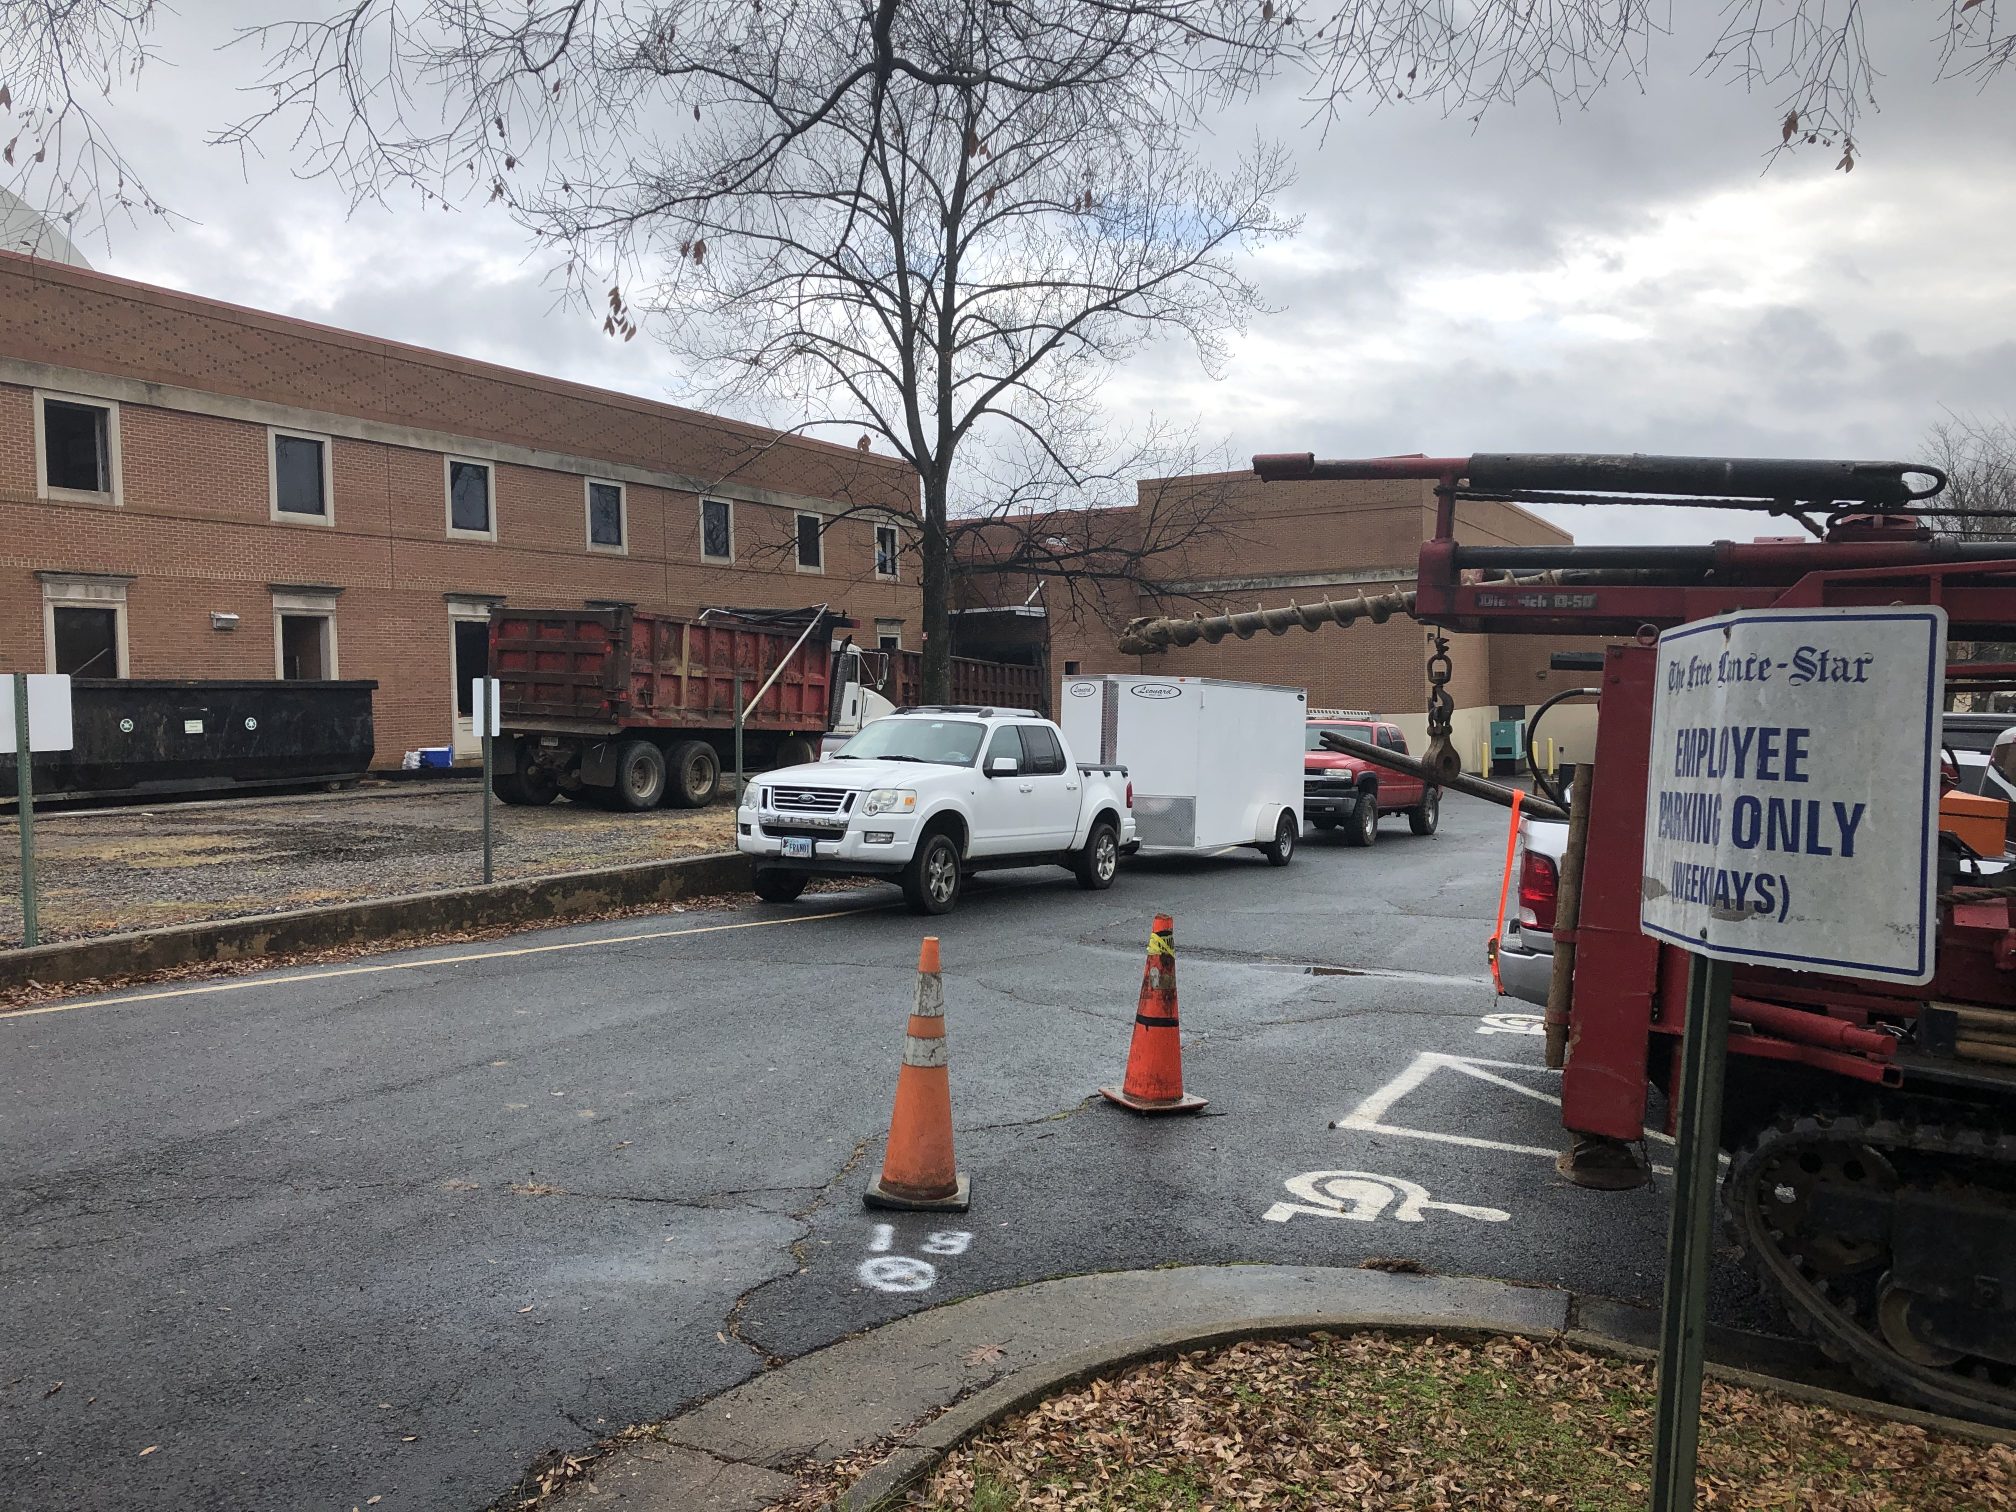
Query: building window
point(608, 517)
point(1071, 669)
point(811, 544)
point(304, 634)
point(301, 484)
point(470, 515)
point(889, 634)
point(77, 443)
point(717, 530)
point(885, 551)
point(84, 624)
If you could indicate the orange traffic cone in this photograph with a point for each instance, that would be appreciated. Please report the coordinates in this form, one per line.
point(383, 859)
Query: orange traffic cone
point(918, 1172)
point(1155, 1059)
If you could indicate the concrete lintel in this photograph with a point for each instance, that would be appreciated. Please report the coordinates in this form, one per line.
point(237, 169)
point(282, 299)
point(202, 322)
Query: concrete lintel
point(1335, 577)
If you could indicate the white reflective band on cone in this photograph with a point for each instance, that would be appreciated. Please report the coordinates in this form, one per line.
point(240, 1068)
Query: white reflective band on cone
point(924, 1052)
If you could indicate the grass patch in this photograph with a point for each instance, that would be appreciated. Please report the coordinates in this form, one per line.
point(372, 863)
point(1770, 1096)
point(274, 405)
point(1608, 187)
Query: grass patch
point(1408, 1424)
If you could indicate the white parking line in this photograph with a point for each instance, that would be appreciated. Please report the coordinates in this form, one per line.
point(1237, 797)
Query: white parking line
point(241, 984)
point(1369, 1117)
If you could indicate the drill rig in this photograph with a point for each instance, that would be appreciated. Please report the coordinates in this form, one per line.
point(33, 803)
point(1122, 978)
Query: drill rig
point(1870, 1127)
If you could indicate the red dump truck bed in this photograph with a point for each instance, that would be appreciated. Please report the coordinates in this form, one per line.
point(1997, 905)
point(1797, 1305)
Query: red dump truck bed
point(600, 671)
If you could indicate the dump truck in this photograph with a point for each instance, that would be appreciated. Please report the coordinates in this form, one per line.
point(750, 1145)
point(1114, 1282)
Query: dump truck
point(629, 709)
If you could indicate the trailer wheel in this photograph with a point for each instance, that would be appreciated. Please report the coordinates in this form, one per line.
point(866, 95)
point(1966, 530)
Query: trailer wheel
point(775, 885)
point(1281, 849)
point(1423, 818)
point(526, 789)
point(696, 774)
point(795, 750)
point(1363, 826)
point(640, 776)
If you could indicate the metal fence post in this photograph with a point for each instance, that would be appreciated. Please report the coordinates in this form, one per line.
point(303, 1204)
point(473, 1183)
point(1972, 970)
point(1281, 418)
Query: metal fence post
point(1683, 1322)
point(487, 864)
point(738, 738)
point(24, 788)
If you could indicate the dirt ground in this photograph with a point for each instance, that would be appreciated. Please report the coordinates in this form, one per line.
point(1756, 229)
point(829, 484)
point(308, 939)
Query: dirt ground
point(108, 870)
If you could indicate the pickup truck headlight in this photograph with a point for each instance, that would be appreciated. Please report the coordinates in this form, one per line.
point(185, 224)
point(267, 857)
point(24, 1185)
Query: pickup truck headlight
point(890, 801)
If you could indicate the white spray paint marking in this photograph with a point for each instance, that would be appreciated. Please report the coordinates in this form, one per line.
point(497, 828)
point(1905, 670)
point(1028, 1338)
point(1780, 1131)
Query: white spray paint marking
point(1512, 1023)
point(1364, 1197)
point(907, 1273)
point(898, 1273)
point(1369, 1117)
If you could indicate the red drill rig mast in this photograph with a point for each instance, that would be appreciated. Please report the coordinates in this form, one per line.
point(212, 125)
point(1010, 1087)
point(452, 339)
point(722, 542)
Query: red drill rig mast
point(1871, 1127)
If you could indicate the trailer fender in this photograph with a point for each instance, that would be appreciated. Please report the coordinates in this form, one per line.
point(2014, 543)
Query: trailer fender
point(1270, 817)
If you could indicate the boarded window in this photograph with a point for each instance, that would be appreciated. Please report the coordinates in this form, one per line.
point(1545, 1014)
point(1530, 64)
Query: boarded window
point(469, 497)
point(717, 530)
point(77, 448)
point(605, 514)
point(298, 476)
point(87, 641)
point(811, 543)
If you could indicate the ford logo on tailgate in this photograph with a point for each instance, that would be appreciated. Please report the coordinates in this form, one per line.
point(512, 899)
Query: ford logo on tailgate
point(1155, 690)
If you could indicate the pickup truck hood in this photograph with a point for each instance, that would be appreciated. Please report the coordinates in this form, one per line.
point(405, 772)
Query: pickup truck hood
point(855, 774)
point(1331, 761)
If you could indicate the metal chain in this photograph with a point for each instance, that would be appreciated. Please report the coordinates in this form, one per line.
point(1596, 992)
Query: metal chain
point(1441, 707)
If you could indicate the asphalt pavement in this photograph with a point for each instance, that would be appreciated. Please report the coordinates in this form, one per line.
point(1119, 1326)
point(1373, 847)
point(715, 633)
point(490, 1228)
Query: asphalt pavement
point(394, 1229)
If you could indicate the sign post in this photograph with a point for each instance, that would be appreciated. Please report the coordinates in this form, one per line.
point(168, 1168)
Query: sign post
point(1791, 821)
point(488, 717)
point(36, 718)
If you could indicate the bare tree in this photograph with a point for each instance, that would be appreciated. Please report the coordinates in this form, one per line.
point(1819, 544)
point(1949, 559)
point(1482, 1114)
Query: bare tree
point(1978, 457)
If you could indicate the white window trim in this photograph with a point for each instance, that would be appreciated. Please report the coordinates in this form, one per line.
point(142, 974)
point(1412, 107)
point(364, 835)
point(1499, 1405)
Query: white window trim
point(448, 497)
point(588, 516)
point(84, 592)
point(460, 609)
point(895, 554)
point(806, 514)
point(117, 497)
point(888, 627)
point(729, 505)
point(301, 605)
point(288, 516)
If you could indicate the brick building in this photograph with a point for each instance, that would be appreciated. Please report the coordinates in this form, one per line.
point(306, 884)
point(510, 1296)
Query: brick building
point(192, 489)
point(1246, 544)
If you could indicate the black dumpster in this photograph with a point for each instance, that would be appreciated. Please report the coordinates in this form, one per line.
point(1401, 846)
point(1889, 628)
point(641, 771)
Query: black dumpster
point(150, 735)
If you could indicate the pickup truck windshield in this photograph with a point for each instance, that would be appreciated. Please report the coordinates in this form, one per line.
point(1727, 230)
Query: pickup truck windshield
point(1314, 739)
point(948, 742)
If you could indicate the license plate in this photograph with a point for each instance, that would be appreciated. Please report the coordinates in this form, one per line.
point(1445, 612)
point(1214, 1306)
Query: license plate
point(799, 846)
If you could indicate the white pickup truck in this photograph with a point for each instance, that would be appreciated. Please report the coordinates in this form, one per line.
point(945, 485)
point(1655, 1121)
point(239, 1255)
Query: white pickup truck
point(925, 796)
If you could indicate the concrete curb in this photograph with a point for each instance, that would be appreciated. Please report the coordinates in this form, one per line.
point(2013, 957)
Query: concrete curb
point(915, 1388)
point(915, 1459)
point(528, 901)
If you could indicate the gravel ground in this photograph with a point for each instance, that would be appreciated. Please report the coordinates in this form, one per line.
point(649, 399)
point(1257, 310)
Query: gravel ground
point(109, 870)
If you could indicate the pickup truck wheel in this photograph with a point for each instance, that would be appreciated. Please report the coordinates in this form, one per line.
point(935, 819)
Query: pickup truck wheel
point(1425, 815)
point(695, 774)
point(1099, 859)
point(1281, 849)
point(526, 788)
point(1363, 826)
point(777, 886)
point(640, 776)
point(931, 880)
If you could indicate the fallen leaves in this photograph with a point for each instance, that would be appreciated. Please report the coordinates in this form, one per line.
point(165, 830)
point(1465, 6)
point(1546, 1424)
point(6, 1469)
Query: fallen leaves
point(536, 1189)
point(983, 1354)
point(150, 1449)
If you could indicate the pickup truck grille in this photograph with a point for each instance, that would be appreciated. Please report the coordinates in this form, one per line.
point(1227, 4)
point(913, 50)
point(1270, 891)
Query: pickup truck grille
point(810, 800)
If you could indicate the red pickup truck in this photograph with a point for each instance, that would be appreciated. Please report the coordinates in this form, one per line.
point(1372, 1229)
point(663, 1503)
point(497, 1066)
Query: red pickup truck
point(1348, 791)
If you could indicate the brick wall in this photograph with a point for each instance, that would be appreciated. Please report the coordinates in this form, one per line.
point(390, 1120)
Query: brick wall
point(1270, 543)
point(198, 383)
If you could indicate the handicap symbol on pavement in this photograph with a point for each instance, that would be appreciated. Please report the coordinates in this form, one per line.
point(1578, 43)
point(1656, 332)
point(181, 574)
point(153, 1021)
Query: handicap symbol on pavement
point(1364, 1197)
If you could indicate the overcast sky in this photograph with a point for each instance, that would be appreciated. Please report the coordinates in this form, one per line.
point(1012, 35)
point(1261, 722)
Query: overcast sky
point(1624, 278)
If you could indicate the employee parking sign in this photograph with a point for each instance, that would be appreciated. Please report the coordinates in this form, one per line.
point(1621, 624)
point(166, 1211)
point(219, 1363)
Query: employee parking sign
point(1792, 813)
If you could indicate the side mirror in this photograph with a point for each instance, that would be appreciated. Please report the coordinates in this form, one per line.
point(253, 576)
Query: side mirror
point(1003, 766)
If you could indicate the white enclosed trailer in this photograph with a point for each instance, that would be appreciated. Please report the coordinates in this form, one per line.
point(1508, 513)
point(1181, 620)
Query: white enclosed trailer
point(1212, 763)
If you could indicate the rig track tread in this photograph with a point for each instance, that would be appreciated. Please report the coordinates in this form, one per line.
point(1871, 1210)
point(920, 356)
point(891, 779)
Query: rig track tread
point(1978, 1390)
